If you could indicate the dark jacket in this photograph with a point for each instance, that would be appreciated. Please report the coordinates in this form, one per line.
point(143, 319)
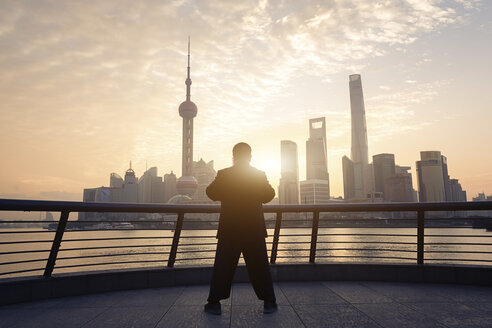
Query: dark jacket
point(242, 190)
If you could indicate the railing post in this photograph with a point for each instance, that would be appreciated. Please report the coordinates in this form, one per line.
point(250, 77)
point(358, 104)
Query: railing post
point(276, 235)
point(177, 234)
point(420, 236)
point(55, 247)
point(314, 237)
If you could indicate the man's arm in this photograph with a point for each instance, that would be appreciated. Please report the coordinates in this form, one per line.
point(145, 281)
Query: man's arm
point(267, 192)
point(214, 190)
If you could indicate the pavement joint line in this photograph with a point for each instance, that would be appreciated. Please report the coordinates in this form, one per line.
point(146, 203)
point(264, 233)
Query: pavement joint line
point(352, 304)
point(290, 304)
point(175, 300)
point(406, 304)
point(90, 320)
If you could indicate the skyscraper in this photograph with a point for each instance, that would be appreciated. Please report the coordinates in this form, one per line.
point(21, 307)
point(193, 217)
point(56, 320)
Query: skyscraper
point(187, 184)
point(150, 187)
point(288, 190)
point(384, 167)
point(358, 178)
point(358, 115)
point(457, 192)
point(398, 187)
point(316, 162)
point(169, 186)
point(130, 187)
point(316, 188)
point(115, 181)
point(204, 174)
point(348, 178)
point(430, 177)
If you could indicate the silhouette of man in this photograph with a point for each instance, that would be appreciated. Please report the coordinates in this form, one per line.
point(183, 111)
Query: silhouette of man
point(242, 190)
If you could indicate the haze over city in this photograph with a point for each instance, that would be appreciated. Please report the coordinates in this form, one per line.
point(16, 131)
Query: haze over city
point(86, 86)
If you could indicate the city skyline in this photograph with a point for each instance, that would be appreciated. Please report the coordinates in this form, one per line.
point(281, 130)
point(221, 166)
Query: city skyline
point(78, 101)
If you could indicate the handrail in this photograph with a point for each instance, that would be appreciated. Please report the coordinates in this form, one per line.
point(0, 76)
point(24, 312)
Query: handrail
point(65, 208)
point(61, 206)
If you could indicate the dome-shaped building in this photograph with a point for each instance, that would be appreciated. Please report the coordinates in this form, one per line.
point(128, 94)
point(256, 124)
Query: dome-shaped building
point(179, 199)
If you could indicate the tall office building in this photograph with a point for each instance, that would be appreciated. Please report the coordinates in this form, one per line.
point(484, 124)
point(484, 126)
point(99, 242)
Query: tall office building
point(457, 194)
point(169, 186)
point(446, 179)
point(316, 188)
point(314, 191)
point(358, 115)
point(150, 187)
point(399, 188)
point(348, 179)
point(358, 177)
point(288, 190)
point(187, 184)
point(130, 187)
point(101, 195)
point(316, 159)
point(204, 174)
point(430, 176)
point(115, 181)
point(384, 167)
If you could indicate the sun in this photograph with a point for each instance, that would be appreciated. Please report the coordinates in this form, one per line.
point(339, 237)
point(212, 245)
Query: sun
point(269, 165)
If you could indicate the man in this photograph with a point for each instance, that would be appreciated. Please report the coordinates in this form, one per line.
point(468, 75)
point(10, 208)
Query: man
point(242, 190)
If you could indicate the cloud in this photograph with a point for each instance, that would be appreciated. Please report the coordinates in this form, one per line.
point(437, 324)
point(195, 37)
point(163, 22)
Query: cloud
point(391, 113)
point(103, 80)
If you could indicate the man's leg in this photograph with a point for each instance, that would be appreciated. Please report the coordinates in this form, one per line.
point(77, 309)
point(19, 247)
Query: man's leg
point(226, 258)
point(255, 256)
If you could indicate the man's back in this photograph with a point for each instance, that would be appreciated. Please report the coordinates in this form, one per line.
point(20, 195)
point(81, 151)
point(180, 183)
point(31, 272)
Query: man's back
point(242, 190)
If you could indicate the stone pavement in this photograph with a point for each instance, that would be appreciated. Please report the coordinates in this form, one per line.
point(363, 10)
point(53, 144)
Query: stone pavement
point(301, 304)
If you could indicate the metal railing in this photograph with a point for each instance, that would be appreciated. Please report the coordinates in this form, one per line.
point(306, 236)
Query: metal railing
point(322, 244)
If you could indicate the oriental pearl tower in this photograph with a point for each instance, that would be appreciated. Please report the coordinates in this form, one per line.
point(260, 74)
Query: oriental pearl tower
point(187, 184)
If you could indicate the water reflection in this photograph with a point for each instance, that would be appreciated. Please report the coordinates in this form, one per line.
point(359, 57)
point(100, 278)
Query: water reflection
point(150, 248)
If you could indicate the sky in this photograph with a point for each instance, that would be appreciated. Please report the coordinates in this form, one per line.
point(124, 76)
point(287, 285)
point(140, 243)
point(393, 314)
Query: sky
point(88, 86)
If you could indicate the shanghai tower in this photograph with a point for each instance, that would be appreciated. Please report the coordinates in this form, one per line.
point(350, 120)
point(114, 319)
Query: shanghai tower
point(357, 173)
point(358, 111)
point(187, 184)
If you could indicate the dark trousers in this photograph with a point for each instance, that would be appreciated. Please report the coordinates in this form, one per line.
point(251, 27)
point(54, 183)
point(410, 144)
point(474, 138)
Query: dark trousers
point(226, 258)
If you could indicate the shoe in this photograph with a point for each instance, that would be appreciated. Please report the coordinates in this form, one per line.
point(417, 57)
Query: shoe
point(270, 307)
point(213, 308)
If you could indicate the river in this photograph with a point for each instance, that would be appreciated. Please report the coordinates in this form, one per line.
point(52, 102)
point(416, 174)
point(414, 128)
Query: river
point(197, 247)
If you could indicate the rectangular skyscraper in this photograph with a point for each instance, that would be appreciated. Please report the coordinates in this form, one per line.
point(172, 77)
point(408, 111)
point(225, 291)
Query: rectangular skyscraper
point(384, 167)
point(399, 188)
point(348, 178)
point(204, 173)
point(316, 161)
point(289, 180)
point(430, 177)
point(316, 188)
point(150, 187)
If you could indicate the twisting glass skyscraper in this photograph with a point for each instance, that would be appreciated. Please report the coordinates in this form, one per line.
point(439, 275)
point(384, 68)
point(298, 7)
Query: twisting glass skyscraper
point(358, 111)
point(357, 173)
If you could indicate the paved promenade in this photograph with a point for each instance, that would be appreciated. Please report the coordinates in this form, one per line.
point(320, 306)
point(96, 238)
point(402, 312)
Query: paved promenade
point(305, 304)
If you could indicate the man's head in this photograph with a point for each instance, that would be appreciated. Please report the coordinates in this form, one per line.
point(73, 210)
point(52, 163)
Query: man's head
point(241, 153)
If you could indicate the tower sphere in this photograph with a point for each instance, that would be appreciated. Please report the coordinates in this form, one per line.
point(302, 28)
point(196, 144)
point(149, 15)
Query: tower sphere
point(188, 109)
point(186, 185)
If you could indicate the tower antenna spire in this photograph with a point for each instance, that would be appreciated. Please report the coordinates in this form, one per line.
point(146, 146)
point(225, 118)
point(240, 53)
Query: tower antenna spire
point(188, 79)
point(187, 184)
